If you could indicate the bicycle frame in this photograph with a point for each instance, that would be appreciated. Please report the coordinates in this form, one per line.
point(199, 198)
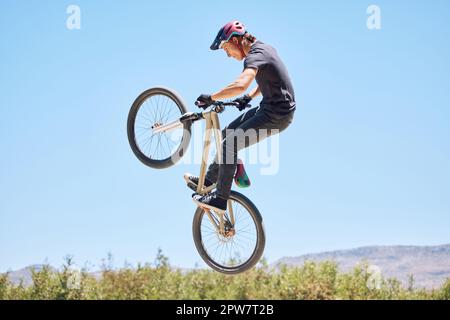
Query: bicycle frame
point(212, 126)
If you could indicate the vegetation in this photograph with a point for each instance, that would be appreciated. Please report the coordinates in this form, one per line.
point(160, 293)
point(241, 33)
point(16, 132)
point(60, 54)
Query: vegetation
point(159, 281)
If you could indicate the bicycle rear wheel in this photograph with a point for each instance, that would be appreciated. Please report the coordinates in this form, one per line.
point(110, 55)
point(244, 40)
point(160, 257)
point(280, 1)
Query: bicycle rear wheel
point(243, 244)
point(155, 107)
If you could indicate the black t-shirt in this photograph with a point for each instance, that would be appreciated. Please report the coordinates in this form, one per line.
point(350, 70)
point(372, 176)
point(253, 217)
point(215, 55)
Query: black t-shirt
point(272, 78)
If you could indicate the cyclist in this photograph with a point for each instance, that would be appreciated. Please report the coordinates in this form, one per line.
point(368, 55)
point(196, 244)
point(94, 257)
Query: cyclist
point(275, 113)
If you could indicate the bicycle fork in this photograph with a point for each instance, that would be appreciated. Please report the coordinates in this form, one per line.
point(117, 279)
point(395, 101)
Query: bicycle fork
point(224, 223)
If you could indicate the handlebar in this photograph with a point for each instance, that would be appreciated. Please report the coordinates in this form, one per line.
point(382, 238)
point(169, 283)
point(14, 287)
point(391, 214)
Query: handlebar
point(224, 104)
point(218, 106)
point(219, 103)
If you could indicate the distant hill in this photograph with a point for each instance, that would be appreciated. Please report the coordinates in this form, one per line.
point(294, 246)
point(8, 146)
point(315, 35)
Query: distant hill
point(24, 275)
point(430, 265)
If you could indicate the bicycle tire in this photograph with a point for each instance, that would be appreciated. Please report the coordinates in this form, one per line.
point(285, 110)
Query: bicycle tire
point(131, 132)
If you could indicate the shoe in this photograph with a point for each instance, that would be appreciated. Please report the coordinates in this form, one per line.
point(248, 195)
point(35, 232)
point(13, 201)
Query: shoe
point(240, 177)
point(211, 201)
point(192, 181)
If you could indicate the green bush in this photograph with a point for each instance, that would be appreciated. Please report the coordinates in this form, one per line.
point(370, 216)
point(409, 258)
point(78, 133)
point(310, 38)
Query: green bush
point(160, 281)
point(444, 293)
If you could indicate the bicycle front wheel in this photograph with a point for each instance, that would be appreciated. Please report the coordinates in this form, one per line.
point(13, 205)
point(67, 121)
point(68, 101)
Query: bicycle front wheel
point(237, 246)
point(153, 108)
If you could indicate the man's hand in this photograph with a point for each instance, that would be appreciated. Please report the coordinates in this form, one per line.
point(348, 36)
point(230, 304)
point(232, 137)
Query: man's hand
point(204, 101)
point(243, 102)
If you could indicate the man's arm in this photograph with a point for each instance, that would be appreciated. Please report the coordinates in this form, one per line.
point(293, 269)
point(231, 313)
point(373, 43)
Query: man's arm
point(238, 86)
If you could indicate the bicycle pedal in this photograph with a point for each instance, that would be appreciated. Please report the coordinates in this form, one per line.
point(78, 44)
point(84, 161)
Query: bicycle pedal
point(192, 186)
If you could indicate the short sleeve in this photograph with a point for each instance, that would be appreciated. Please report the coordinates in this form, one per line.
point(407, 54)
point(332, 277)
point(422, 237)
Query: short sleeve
point(254, 60)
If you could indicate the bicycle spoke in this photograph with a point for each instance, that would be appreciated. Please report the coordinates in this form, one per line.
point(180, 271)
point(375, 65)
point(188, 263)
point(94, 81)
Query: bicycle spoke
point(156, 109)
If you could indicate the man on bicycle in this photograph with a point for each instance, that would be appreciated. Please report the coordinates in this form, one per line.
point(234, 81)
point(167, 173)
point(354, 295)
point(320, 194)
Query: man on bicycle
point(275, 113)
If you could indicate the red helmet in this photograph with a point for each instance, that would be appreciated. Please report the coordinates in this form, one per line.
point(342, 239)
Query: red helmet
point(233, 28)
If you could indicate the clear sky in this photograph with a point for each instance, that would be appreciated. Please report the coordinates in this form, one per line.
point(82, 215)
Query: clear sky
point(366, 162)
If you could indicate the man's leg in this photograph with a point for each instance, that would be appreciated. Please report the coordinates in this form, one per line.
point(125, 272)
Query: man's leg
point(249, 132)
point(213, 169)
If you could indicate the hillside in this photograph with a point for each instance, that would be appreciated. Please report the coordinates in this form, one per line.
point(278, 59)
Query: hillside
point(430, 265)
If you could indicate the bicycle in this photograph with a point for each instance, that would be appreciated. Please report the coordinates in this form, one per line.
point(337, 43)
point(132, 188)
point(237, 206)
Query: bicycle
point(159, 111)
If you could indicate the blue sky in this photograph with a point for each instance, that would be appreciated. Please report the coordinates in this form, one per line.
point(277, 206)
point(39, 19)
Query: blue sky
point(366, 162)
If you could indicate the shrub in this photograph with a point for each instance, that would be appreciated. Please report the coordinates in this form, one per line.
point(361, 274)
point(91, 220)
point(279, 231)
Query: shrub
point(160, 281)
